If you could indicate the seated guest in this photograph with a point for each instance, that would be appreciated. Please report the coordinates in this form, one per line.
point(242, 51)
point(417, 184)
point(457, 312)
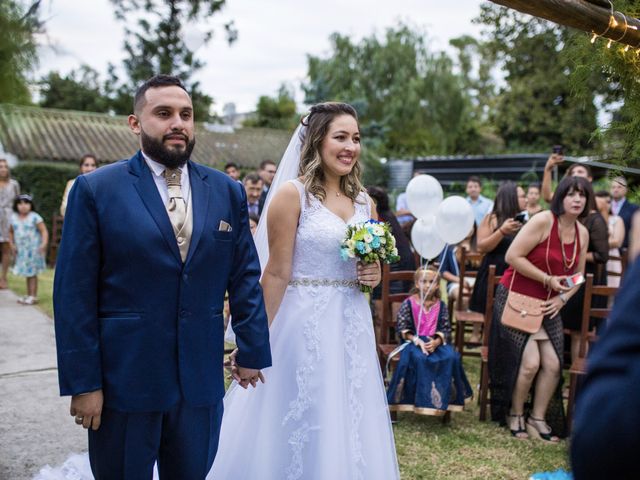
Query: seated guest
point(253, 186)
point(232, 170)
point(550, 246)
point(429, 379)
point(450, 259)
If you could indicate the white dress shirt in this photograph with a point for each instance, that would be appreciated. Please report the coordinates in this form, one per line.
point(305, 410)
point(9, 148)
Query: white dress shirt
point(156, 171)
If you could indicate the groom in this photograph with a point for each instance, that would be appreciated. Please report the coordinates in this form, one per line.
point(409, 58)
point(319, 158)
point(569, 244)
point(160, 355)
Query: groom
point(149, 247)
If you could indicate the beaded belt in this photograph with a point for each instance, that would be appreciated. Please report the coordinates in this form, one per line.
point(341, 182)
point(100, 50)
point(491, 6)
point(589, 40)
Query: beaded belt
point(312, 282)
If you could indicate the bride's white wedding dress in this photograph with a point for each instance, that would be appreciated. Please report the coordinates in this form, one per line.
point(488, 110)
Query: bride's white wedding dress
point(322, 413)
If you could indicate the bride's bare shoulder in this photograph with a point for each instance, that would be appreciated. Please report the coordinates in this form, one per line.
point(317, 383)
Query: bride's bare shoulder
point(286, 200)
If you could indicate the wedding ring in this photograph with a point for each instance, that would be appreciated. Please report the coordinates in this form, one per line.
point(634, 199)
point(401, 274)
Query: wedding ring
point(79, 420)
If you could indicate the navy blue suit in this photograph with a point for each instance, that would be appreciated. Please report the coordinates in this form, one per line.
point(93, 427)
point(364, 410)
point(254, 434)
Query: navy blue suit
point(626, 213)
point(132, 319)
point(606, 432)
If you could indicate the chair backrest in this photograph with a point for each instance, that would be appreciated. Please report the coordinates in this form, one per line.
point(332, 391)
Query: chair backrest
point(492, 282)
point(465, 258)
point(623, 258)
point(589, 311)
point(388, 322)
point(54, 239)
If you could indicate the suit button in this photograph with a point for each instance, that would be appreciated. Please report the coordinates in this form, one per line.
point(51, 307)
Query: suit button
point(180, 240)
point(183, 313)
point(185, 277)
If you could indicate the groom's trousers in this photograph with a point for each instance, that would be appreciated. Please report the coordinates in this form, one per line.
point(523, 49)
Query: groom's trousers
point(183, 440)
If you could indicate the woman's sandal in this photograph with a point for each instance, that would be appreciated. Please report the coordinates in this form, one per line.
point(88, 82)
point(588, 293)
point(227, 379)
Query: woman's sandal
point(521, 432)
point(534, 431)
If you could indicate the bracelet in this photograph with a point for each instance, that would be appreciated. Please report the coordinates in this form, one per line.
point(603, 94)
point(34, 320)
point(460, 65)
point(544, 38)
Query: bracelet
point(545, 280)
point(500, 230)
point(415, 339)
point(563, 297)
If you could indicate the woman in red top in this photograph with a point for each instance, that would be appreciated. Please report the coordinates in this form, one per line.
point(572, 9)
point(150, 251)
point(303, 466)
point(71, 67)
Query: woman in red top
point(517, 360)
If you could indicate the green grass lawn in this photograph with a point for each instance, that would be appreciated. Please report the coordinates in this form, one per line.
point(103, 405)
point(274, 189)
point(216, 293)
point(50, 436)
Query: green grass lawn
point(463, 449)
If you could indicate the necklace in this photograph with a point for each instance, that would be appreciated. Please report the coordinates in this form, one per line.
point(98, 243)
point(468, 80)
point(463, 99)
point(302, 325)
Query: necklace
point(338, 194)
point(568, 264)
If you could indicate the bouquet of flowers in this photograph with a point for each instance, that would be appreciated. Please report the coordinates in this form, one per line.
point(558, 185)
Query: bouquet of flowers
point(369, 242)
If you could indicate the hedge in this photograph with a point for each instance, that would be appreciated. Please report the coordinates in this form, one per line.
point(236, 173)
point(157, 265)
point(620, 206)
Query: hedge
point(45, 182)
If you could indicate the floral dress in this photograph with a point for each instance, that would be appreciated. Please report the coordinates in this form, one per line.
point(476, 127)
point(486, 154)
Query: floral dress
point(8, 193)
point(29, 261)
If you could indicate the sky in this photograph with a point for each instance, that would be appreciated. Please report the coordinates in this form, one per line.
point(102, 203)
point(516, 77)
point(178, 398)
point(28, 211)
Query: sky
point(275, 37)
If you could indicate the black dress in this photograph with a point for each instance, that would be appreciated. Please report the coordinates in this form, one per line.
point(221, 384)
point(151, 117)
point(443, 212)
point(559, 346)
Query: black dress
point(478, 301)
point(599, 246)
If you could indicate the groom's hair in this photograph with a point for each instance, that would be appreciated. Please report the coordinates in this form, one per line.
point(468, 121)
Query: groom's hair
point(156, 81)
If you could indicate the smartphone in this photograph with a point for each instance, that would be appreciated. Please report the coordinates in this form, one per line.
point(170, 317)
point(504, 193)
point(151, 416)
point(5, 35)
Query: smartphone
point(574, 280)
point(521, 217)
point(558, 150)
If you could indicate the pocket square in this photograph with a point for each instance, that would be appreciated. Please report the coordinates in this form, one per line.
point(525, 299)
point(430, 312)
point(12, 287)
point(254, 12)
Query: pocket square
point(224, 226)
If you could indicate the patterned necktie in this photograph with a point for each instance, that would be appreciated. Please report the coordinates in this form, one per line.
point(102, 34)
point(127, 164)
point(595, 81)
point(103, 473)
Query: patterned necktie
point(176, 207)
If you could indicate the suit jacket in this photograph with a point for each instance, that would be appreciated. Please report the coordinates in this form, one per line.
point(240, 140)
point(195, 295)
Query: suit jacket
point(626, 213)
point(607, 417)
point(130, 317)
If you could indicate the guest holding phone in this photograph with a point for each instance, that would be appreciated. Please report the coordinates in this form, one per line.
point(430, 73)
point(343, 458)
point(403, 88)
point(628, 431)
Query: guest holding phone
point(549, 248)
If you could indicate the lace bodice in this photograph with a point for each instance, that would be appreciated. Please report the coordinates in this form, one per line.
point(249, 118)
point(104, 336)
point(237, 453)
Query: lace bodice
point(316, 253)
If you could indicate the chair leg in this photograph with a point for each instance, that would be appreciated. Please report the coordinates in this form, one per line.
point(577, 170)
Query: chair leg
point(483, 394)
point(446, 418)
point(460, 326)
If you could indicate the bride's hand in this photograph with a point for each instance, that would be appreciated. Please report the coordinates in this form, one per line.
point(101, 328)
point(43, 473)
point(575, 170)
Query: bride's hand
point(369, 274)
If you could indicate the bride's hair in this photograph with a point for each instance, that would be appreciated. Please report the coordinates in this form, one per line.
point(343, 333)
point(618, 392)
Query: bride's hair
point(317, 126)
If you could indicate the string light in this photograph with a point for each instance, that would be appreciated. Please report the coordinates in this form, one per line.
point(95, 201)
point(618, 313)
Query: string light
point(613, 24)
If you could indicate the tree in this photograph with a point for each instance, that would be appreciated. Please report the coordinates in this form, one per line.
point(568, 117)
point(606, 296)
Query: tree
point(410, 101)
point(18, 54)
point(79, 90)
point(535, 108)
point(158, 45)
point(613, 74)
point(275, 112)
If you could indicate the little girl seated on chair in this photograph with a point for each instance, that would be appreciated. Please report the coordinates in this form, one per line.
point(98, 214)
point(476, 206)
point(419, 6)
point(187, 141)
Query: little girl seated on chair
point(429, 378)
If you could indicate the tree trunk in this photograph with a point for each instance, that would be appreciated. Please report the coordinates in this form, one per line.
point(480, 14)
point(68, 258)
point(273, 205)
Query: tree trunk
point(583, 15)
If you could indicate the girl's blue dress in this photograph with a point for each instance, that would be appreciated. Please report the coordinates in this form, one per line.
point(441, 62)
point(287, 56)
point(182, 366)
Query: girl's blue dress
point(428, 384)
point(29, 261)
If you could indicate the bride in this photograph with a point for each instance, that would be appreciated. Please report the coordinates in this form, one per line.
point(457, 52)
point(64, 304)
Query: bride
point(322, 413)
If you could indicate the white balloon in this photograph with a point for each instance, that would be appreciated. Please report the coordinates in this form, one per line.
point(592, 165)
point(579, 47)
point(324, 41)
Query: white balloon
point(425, 238)
point(424, 194)
point(454, 219)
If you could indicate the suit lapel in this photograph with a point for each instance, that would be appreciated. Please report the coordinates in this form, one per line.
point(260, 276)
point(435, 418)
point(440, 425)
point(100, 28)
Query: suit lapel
point(200, 205)
point(146, 187)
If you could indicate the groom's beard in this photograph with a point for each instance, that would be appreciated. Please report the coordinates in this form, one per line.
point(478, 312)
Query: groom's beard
point(170, 158)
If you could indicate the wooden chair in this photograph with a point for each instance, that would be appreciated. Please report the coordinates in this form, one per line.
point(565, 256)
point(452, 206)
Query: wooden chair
point(460, 316)
point(483, 395)
point(587, 336)
point(54, 239)
point(623, 259)
point(386, 341)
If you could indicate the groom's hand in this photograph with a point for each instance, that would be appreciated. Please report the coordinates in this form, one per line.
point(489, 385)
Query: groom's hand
point(87, 408)
point(244, 376)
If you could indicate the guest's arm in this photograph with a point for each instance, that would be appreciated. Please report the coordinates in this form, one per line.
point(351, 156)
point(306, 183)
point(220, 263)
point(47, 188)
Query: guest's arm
point(545, 190)
point(490, 235)
point(599, 238)
point(616, 237)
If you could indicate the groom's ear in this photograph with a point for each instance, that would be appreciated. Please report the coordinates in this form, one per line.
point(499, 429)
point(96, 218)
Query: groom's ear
point(134, 124)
